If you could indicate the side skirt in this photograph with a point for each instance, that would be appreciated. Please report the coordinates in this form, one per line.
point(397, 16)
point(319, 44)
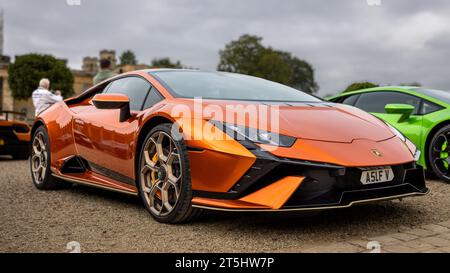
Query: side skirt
point(86, 182)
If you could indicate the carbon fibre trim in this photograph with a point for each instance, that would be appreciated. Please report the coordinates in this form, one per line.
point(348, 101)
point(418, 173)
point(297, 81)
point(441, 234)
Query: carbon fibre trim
point(317, 208)
point(76, 164)
point(88, 183)
point(111, 174)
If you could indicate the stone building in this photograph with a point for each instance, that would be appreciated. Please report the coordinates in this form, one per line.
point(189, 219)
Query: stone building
point(90, 65)
point(6, 100)
point(109, 55)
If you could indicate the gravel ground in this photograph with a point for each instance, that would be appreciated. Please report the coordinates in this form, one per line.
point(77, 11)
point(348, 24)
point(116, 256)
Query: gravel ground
point(101, 221)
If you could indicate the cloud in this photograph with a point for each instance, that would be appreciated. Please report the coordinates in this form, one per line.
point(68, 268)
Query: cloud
point(345, 41)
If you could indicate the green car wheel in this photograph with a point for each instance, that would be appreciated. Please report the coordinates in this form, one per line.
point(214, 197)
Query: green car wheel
point(439, 153)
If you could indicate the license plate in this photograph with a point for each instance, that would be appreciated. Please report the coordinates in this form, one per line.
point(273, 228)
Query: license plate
point(377, 175)
point(2, 142)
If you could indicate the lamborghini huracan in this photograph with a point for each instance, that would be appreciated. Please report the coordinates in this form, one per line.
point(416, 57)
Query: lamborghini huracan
point(160, 134)
point(421, 114)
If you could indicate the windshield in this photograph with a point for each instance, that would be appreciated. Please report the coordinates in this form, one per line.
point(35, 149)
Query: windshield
point(219, 85)
point(437, 94)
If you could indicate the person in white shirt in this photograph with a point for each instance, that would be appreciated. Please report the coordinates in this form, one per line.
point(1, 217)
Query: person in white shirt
point(43, 98)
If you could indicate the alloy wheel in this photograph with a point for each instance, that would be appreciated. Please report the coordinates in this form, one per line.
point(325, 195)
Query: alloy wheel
point(440, 154)
point(39, 158)
point(161, 173)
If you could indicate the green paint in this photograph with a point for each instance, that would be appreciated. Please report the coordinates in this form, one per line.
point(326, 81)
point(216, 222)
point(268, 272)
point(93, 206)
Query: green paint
point(444, 155)
point(417, 128)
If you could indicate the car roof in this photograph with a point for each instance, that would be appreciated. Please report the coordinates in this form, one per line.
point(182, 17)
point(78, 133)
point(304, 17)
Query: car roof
point(412, 90)
point(172, 69)
point(373, 89)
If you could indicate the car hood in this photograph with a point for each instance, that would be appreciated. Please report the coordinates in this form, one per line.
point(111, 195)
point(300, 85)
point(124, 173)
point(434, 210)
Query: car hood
point(312, 121)
point(332, 122)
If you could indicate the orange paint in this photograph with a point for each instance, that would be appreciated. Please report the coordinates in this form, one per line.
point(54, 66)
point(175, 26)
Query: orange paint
point(97, 136)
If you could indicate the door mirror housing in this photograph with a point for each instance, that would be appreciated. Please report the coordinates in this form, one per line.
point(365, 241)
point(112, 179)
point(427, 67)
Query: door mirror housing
point(405, 110)
point(113, 101)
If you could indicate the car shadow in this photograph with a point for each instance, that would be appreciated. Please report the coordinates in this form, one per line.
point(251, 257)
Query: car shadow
point(357, 215)
point(6, 158)
point(110, 196)
point(366, 215)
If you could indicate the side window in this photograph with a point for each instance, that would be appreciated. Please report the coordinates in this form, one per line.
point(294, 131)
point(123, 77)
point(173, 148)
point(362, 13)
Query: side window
point(350, 100)
point(153, 98)
point(429, 107)
point(134, 87)
point(376, 101)
point(107, 87)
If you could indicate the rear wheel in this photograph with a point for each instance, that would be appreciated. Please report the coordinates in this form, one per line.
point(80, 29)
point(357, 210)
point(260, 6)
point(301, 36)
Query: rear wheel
point(164, 176)
point(40, 162)
point(439, 152)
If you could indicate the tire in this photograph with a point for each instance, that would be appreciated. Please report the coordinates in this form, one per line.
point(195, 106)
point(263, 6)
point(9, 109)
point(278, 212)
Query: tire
point(164, 178)
point(439, 152)
point(40, 162)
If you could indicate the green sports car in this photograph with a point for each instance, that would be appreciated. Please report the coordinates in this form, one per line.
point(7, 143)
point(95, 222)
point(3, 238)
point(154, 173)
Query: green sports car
point(422, 115)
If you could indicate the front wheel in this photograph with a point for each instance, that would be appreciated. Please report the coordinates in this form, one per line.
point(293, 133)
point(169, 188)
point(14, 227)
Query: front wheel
point(164, 176)
point(439, 152)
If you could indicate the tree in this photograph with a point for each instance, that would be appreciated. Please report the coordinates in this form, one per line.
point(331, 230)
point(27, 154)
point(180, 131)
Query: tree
point(272, 66)
point(417, 84)
point(303, 76)
point(27, 70)
point(128, 57)
point(248, 56)
point(242, 55)
point(165, 63)
point(359, 85)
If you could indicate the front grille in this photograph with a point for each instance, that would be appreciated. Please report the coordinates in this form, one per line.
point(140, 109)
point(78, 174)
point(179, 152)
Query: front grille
point(321, 189)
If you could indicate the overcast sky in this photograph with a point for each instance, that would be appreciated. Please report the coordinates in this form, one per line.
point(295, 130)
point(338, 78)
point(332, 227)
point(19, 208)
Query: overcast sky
point(398, 41)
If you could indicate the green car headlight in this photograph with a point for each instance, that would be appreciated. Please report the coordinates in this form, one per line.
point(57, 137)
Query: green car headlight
point(397, 132)
point(412, 148)
point(239, 132)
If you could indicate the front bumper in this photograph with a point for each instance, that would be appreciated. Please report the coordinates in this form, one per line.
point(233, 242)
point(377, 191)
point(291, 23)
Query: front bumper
point(301, 186)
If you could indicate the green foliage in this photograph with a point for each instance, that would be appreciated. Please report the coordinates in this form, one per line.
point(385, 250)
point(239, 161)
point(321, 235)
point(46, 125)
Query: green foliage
point(242, 55)
point(359, 85)
point(248, 56)
point(27, 70)
point(272, 66)
point(165, 63)
point(128, 57)
point(417, 84)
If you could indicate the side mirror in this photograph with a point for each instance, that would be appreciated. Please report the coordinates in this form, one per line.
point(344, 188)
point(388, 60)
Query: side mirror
point(113, 101)
point(405, 110)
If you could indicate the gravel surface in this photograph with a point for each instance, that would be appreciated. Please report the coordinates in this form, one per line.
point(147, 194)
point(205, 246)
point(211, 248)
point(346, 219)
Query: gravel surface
point(101, 221)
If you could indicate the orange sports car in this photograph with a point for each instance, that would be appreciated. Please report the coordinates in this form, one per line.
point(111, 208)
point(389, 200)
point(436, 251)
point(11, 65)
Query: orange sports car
point(14, 135)
point(186, 140)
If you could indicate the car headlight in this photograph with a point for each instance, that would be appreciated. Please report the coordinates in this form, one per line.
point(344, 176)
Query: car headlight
point(239, 132)
point(417, 155)
point(397, 132)
point(412, 148)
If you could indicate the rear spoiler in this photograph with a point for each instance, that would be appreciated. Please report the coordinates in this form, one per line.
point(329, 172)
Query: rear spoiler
point(9, 113)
